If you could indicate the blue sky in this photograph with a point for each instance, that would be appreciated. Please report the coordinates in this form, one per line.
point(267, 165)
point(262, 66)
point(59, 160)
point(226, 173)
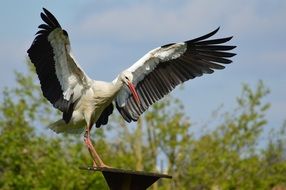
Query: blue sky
point(108, 36)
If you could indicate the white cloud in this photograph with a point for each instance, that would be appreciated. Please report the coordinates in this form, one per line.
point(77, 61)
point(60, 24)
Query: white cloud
point(131, 23)
point(155, 21)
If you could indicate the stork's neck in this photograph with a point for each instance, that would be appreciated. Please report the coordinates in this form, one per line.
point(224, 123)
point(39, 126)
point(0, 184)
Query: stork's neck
point(117, 83)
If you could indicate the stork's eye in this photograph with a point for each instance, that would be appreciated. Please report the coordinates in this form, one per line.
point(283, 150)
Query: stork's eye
point(126, 77)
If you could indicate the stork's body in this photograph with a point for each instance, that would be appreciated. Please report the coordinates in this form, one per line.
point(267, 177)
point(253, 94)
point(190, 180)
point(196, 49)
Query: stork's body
point(88, 108)
point(97, 97)
point(85, 102)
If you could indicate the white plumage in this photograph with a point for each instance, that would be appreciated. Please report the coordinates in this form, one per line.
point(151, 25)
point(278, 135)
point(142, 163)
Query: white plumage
point(85, 102)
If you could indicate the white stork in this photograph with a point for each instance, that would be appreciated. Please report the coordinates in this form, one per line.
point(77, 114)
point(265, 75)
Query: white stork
point(85, 102)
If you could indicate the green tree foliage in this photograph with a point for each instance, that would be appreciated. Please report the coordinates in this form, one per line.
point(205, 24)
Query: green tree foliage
point(225, 156)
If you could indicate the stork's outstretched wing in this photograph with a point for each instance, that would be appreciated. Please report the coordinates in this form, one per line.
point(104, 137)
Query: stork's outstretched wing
point(62, 80)
point(162, 69)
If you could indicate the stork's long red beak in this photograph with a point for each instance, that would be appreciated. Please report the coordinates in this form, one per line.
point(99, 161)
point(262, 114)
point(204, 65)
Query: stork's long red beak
point(134, 92)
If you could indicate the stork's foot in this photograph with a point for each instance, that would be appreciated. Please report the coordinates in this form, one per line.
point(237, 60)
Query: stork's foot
point(100, 166)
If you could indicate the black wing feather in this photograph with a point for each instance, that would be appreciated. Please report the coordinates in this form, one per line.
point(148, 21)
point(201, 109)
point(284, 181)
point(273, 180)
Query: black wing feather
point(52, 18)
point(103, 119)
point(42, 56)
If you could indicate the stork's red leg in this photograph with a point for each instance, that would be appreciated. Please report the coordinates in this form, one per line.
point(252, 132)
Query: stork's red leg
point(97, 162)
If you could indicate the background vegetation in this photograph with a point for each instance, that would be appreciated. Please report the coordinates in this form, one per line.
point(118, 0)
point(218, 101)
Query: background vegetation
point(229, 155)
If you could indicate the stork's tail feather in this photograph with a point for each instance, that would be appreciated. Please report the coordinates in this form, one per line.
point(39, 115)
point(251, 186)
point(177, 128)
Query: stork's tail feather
point(60, 126)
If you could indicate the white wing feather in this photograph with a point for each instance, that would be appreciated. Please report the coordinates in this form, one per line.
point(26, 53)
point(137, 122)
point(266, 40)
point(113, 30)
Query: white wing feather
point(71, 77)
point(149, 61)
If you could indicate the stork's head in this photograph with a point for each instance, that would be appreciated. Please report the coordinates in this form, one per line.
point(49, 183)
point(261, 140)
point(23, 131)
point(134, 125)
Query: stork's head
point(127, 78)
